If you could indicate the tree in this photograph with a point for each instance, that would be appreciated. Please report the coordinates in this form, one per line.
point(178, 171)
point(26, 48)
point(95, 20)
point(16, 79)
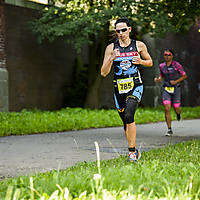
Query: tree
point(182, 14)
point(84, 22)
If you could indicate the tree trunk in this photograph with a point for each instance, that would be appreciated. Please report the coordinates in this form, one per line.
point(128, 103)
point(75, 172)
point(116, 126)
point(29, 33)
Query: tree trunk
point(92, 71)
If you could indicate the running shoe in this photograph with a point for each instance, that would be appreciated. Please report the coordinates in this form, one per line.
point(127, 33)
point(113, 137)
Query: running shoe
point(169, 133)
point(134, 156)
point(178, 117)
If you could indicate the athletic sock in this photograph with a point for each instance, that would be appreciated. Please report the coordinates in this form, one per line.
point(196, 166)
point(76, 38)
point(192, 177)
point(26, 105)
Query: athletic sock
point(178, 117)
point(132, 149)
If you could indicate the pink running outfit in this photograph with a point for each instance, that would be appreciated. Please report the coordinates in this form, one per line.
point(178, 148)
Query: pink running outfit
point(171, 93)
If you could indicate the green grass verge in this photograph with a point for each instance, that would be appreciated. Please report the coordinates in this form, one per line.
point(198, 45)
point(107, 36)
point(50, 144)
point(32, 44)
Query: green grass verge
point(29, 122)
point(167, 173)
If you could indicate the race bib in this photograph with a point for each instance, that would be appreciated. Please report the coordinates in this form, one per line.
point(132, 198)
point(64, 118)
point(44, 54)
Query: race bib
point(125, 85)
point(170, 89)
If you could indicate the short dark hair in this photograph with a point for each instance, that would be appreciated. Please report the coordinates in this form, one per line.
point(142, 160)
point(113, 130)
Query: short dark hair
point(170, 50)
point(123, 20)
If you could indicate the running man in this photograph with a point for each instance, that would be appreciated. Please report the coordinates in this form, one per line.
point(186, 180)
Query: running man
point(125, 55)
point(171, 73)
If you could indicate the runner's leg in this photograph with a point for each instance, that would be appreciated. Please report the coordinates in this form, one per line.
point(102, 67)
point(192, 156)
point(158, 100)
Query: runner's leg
point(126, 109)
point(177, 102)
point(120, 105)
point(121, 114)
point(130, 109)
point(132, 101)
point(131, 134)
point(167, 105)
point(168, 115)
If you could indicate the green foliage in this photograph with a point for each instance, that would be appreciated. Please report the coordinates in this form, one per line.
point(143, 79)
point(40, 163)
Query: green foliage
point(167, 173)
point(182, 13)
point(28, 122)
point(78, 19)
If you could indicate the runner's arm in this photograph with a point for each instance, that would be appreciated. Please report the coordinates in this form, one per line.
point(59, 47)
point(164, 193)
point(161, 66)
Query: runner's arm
point(146, 60)
point(161, 77)
point(183, 77)
point(108, 60)
point(156, 80)
point(180, 69)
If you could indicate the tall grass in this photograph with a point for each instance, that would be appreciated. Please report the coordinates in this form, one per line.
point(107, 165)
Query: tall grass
point(167, 173)
point(28, 122)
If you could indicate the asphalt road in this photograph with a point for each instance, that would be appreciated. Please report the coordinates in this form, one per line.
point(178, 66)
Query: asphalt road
point(23, 155)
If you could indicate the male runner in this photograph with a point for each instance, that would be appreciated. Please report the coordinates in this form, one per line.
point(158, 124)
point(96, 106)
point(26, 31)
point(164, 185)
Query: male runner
point(125, 55)
point(171, 73)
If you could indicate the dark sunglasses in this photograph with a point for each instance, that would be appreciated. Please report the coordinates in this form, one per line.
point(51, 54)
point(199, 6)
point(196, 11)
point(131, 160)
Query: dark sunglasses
point(167, 54)
point(121, 30)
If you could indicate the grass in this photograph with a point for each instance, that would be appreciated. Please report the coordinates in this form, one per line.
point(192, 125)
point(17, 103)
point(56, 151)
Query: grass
point(167, 173)
point(29, 122)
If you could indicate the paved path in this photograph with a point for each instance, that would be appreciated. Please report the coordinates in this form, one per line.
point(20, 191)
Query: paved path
point(20, 155)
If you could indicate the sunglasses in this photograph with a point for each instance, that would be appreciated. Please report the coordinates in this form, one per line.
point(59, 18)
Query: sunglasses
point(121, 30)
point(167, 54)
